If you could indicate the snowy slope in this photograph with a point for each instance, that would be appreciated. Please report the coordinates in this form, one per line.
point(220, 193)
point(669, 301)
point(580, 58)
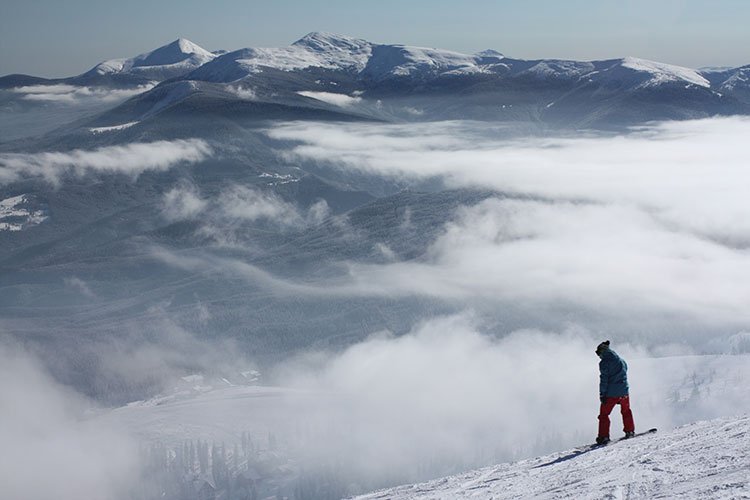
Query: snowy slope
point(664, 73)
point(692, 460)
point(403, 61)
point(707, 460)
point(330, 76)
point(740, 77)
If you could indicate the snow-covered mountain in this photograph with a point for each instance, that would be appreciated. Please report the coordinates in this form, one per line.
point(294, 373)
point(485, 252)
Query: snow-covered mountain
point(403, 83)
point(706, 460)
point(731, 81)
point(398, 82)
point(173, 59)
point(379, 62)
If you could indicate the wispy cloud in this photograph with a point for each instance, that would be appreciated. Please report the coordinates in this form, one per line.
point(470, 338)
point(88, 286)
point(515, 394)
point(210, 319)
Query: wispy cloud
point(237, 204)
point(244, 203)
point(246, 93)
point(72, 94)
point(341, 100)
point(183, 202)
point(131, 159)
point(80, 286)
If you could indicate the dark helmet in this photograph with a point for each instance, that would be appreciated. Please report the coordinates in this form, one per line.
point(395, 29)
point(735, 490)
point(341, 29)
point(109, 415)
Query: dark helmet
point(602, 347)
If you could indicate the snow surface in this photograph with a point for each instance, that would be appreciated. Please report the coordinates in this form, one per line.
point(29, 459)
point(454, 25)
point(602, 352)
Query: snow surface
point(560, 69)
point(664, 73)
point(123, 126)
point(321, 50)
point(418, 59)
point(338, 52)
point(15, 217)
point(704, 460)
point(405, 61)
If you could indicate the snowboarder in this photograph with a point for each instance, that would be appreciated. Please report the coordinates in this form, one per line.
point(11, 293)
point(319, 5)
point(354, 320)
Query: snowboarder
point(613, 390)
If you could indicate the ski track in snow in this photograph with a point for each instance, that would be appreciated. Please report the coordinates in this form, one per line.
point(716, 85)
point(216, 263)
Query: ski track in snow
point(706, 460)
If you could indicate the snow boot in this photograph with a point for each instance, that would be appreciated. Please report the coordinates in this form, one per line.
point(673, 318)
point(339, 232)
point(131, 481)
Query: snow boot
point(602, 440)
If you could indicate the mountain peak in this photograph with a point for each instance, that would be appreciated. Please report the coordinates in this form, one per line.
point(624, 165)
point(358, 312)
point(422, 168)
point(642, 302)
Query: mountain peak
point(167, 61)
point(174, 52)
point(324, 41)
point(490, 53)
point(489, 56)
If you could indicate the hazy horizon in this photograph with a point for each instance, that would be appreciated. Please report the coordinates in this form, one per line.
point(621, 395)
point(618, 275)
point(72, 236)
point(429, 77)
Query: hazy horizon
point(51, 40)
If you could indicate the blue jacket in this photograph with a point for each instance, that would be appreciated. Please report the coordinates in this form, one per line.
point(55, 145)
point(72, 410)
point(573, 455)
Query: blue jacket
point(613, 375)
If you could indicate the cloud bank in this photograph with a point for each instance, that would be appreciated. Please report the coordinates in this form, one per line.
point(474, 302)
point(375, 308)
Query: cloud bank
point(130, 159)
point(690, 173)
point(44, 433)
point(449, 393)
point(608, 259)
point(646, 226)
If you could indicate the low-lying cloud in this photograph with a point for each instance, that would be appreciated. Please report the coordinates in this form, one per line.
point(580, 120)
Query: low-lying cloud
point(341, 100)
point(245, 93)
point(75, 94)
point(691, 173)
point(646, 225)
point(130, 159)
point(612, 259)
point(45, 434)
point(237, 204)
point(450, 393)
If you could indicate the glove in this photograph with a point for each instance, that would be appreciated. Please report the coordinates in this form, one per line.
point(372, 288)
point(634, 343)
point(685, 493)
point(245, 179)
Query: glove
point(602, 398)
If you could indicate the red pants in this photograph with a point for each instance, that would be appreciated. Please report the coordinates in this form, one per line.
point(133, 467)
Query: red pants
point(606, 409)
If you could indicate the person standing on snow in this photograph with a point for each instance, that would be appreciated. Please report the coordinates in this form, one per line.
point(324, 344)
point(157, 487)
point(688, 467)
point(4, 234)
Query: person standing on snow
point(613, 390)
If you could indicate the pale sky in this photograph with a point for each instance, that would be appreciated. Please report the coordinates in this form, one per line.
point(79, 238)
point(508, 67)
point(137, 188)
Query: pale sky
point(56, 38)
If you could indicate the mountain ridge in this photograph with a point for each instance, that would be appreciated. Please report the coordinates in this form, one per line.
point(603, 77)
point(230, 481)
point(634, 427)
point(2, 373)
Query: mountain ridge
point(182, 50)
point(352, 78)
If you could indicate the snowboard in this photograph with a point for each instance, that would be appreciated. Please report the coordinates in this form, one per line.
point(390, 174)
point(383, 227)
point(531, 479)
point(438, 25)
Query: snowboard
point(589, 447)
point(637, 434)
